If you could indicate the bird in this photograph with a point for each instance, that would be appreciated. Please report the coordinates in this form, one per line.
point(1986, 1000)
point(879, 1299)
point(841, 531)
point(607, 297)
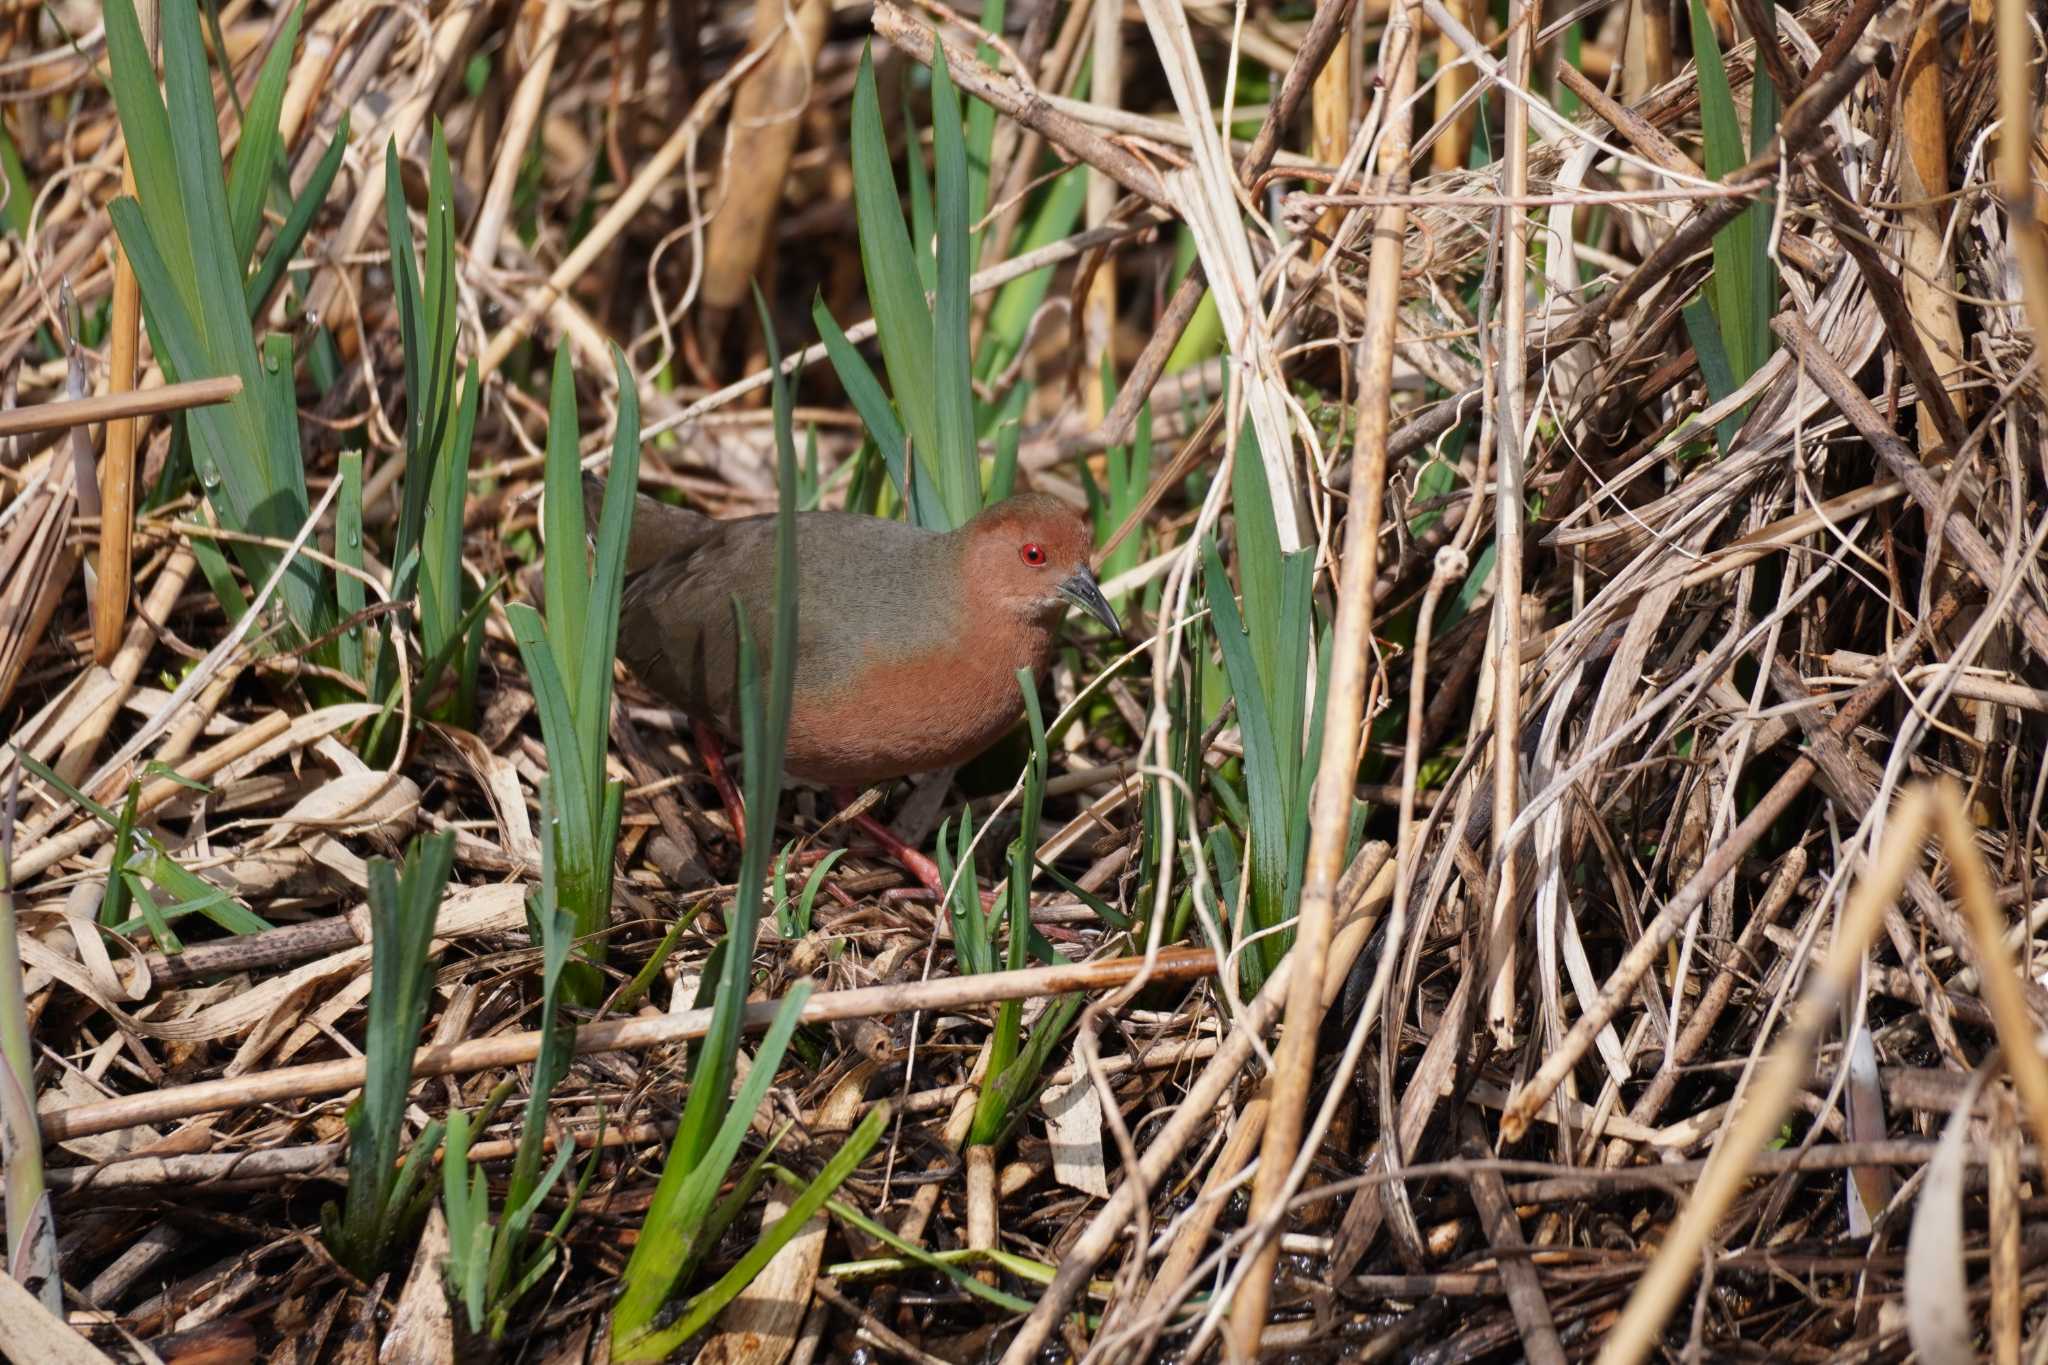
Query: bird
point(908, 639)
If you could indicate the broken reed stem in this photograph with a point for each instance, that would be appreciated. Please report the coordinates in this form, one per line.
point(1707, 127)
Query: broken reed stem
point(1510, 459)
point(328, 1078)
point(1331, 798)
point(66, 413)
point(117, 461)
point(1641, 1323)
point(30, 1241)
point(517, 136)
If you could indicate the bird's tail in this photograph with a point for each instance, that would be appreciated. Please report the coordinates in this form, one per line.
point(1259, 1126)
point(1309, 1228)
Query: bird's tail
point(659, 529)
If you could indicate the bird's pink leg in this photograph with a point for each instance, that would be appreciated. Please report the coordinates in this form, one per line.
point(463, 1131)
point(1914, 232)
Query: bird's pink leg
point(714, 764)
point(908, 858)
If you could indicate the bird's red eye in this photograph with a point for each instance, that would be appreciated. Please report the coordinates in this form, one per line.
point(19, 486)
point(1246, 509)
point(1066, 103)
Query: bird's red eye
point(1034, 555)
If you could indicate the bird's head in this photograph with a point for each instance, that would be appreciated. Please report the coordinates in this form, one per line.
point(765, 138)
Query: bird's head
point(1029, 554)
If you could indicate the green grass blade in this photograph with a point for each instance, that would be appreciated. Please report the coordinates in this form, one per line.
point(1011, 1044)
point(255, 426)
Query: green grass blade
point(441, 579)
point(865, 392)
point(403, 909)
point(248, 174)
point(955, 459)
point(843, 1163)
point(576, 806)
point(256, 153)
point(901, 315)
point(297, 222)
point(688, 1186)
point(923, 231)
point(565, 573)
point(1262, 763)
point(1009, 319)
point(981, 132)
point(601, 629)
point(147, 131)
point(350, 593)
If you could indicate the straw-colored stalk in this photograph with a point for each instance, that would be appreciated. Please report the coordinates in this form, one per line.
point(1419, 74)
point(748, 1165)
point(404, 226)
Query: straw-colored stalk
point(2002, 1180)
point(1923, 185)
point(1098, 307)
point(1508, 510)
point(518, 1049)
point(1997, 976)
point(1330, 114)
point(1454, 147)
point(517, 135)
point(1330, 810)
point(2015, 151)
point(117, 463)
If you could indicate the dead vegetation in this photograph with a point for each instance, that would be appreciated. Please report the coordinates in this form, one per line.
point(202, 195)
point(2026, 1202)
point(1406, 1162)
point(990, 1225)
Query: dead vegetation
point(1671, 469)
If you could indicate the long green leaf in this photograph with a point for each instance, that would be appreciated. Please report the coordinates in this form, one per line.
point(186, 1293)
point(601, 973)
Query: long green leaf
point(843, 1163)
point(685, 1193)
point(1262, 765)
point(955, 458)
point(876, 413)
point(565, 574)
point(901, 314)
point(298, 221)
point(256, 153)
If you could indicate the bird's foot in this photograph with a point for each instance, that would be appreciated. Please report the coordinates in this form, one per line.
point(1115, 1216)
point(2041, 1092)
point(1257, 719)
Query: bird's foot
point(709, 750)
point(917, 864)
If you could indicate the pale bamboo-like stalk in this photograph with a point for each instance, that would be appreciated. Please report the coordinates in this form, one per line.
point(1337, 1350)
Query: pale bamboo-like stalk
point(2002, 1181)
point(518, 1049)
point(983, 1216)
point(518, 132)
point(1330, 114)
point(1330, 813)
point(1455, 145)
point(1098, 308)
point(1783, 1072)
point(1923, 183)
point(1508, 514)
point(2015, 152)
point(75, 412)
point(767, 110)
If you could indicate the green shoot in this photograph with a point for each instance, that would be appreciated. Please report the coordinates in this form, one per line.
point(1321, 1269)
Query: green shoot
point(386, 1201)
point(1730, 321)
point(1265, 657)
point(568, 658)
point(490, 1267)
point(680, 1227)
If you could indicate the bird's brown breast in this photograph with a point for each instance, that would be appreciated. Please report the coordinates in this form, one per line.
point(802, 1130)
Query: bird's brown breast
point(913, 714)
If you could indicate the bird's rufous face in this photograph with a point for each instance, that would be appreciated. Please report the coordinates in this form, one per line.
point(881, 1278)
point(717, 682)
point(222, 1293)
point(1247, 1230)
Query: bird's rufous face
point(1030, 553)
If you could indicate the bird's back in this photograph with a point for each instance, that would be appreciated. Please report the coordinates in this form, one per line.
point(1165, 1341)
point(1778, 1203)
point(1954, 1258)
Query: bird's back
point(861, 580)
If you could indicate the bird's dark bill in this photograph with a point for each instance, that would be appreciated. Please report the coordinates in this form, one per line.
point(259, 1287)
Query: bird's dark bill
point(1083, 591)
